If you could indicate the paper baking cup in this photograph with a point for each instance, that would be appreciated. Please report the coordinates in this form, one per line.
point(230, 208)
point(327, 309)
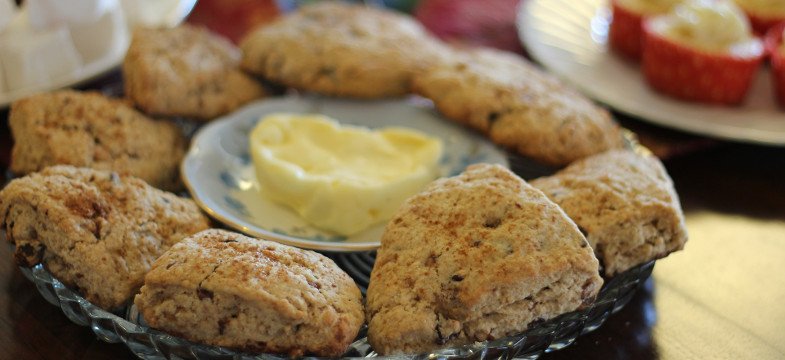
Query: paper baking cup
point(692, 74)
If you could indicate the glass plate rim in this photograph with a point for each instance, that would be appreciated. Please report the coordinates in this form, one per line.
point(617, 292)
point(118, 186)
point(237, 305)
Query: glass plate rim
point(149, 343)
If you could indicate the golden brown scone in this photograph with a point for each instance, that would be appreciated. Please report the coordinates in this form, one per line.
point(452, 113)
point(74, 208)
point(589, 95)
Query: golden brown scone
point(341, 49)
point(475, 257)
point(87, 129)
point(95, 231)
point(186, 71)
point(625, 204)
point(226, 289)
point(518, 106)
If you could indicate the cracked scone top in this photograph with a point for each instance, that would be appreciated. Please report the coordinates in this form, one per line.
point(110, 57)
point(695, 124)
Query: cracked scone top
point(227, 289)
point(341, 49)
point(626, 205)
point(88, 129)
point(94, 230)
point(518, 106)
point(475, 257)
point(186, 71)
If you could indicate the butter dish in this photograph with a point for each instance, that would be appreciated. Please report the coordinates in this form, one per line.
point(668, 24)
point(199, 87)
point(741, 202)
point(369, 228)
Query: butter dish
point(219, 172)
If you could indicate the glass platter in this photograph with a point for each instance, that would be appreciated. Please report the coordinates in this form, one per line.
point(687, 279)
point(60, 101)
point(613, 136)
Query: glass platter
point(569, 39)
point(126, 326)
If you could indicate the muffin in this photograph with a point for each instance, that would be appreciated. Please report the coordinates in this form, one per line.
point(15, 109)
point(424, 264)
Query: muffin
point(475, 257)
point(226, 289)
point(96, 231)
point(775, 47)
point(702, 51)
point(625, 33)
point(763, 14)
point(625, 204)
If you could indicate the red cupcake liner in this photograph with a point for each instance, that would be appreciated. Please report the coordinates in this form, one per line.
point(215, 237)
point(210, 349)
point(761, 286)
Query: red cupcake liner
point(694, 75)
point(762, 24)
point(772, 41)
point(625, 34)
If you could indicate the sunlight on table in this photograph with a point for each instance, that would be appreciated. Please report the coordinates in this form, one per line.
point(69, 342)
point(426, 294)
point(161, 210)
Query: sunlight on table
point(711, 289)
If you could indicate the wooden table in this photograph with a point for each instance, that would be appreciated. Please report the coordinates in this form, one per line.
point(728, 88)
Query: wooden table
point(719, 298)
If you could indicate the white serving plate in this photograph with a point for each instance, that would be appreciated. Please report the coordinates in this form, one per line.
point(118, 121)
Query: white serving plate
point(569, 39)
point(220, 176)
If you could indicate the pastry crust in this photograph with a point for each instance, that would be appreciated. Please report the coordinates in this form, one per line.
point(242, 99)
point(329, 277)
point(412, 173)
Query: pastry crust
point(186, 71)
point(95, 231)
point(87, 129)
point(475, 257)
point(625, 204)
point(518, 106)
point(226, 289)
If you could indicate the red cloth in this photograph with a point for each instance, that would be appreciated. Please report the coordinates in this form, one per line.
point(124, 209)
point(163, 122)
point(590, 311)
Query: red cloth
point(488, 23)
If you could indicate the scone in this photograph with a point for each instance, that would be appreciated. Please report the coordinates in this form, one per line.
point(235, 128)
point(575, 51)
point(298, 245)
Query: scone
point(87, 129)
point(625, 204)
point(186, 71)
point(519, 106)
point(341, 49)
point(226, 289)
point(475, 257)
point(95, 231)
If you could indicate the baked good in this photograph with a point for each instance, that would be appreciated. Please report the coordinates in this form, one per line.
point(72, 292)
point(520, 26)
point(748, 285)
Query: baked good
point(226, 289)
point(88, 129)
point(95, 231)
point(625, 32)
point(475, 257)
point(763, 14)
point(625, 204)
point(518, 106)
point(701, 51)
point(186, 71)
point(341, 49)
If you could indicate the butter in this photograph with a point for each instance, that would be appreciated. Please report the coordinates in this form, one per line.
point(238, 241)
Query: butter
point(709, 25)
point(342, 179)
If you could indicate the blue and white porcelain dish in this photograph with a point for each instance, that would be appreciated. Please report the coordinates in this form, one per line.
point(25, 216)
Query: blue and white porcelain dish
point(220, 176)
